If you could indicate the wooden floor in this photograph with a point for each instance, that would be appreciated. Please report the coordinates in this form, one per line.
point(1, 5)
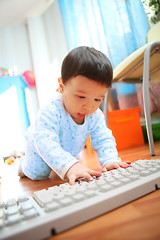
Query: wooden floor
point(137, 220)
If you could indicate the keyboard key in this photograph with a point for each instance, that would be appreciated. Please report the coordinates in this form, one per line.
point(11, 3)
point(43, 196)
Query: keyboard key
point(66, 201)
point(78, 196)
point(118, 176)
point(12, 210)
point(22, 198)
point(24, 206)
point(2, 212)
point(105, 188)
point(153, 169)
point(59, 196)
point(92, 185)
point(125, 180)
point(52, 206)
point(30, 213)
point(11, 202)
point(134, 177)
point(43, 197)
point(100, 182)
point(126, 173)
point(144, 173)
point(2, 204)
point(70, 193)
point(132, 171)
point(90, 193)
point(1, 223)
point(116, 183)
point(13, 219)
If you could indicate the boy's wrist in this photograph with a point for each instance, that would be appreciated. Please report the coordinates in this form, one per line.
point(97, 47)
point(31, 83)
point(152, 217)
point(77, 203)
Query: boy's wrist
point(110, 161)
point(70, 169)
point(64, 171)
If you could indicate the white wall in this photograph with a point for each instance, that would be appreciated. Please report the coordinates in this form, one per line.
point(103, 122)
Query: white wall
point(14, 48)
point(48, 48)
point(39, 45)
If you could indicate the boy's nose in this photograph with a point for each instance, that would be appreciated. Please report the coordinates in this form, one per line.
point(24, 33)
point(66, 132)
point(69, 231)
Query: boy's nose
point(87, 107)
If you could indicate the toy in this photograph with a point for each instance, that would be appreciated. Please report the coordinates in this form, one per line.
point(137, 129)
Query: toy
point(29, 77)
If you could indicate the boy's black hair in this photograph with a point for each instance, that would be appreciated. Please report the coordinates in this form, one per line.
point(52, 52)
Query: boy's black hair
point(88, 62)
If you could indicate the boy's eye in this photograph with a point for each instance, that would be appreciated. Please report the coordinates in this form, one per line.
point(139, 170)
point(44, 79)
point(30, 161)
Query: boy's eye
point(97, 100)
point(81, 97)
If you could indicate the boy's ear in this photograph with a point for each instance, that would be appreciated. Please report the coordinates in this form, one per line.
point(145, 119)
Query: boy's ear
point(61, 85)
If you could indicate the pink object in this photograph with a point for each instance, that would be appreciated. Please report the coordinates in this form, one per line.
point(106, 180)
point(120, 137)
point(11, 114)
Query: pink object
point(154, 106)
point(29, 76)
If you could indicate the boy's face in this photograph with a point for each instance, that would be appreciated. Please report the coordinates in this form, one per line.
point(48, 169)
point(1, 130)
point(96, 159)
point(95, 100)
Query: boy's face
point(82, 96)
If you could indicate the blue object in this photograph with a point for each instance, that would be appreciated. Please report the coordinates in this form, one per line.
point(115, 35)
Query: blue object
point(126, 89)
point(7, 82)
point(117, 28)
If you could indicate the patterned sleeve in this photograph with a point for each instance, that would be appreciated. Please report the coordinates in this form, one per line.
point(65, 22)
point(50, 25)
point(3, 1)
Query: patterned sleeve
point(102, 140)
point(47, 142)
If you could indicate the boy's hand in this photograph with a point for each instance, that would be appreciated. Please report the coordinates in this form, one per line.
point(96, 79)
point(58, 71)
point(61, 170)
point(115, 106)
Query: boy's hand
point(80, 171)
point(115, 165)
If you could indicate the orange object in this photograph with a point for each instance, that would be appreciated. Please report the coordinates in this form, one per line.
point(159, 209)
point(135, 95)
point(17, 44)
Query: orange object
point(126, 127)
point(9, 161)
point(88, 145)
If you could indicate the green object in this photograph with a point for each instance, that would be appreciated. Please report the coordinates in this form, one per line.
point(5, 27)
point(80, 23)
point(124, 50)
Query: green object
point(156, 132)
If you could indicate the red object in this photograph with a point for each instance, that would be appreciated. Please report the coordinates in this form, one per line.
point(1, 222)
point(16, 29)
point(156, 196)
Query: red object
point(126, 127)
point(29, 77)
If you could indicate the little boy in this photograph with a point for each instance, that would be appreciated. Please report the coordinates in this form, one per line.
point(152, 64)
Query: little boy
point(62, 127)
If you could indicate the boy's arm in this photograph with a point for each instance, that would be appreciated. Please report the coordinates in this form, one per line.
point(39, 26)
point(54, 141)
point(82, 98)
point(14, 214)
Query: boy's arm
point(47, 143)
point(103, 141)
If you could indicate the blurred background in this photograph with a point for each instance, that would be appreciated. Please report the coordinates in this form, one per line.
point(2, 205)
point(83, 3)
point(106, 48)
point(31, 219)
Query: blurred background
point(35, 36)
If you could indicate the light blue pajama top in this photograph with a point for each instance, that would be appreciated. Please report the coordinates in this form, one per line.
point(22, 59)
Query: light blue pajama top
point(54, 141)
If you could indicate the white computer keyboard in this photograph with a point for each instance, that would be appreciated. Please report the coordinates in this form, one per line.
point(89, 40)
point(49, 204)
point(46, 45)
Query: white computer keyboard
point(62, 207)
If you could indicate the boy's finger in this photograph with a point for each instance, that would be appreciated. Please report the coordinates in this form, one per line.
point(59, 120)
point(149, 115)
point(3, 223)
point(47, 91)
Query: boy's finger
point(104, 170)
point(112, 166)
point(128, 162)
point(94, 173)
point(72, 180)
point(116, 165)
point(124, 164)
point(88, 176)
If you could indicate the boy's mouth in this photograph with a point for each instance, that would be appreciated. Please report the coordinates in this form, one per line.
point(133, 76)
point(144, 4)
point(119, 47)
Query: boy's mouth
point(80, 115)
